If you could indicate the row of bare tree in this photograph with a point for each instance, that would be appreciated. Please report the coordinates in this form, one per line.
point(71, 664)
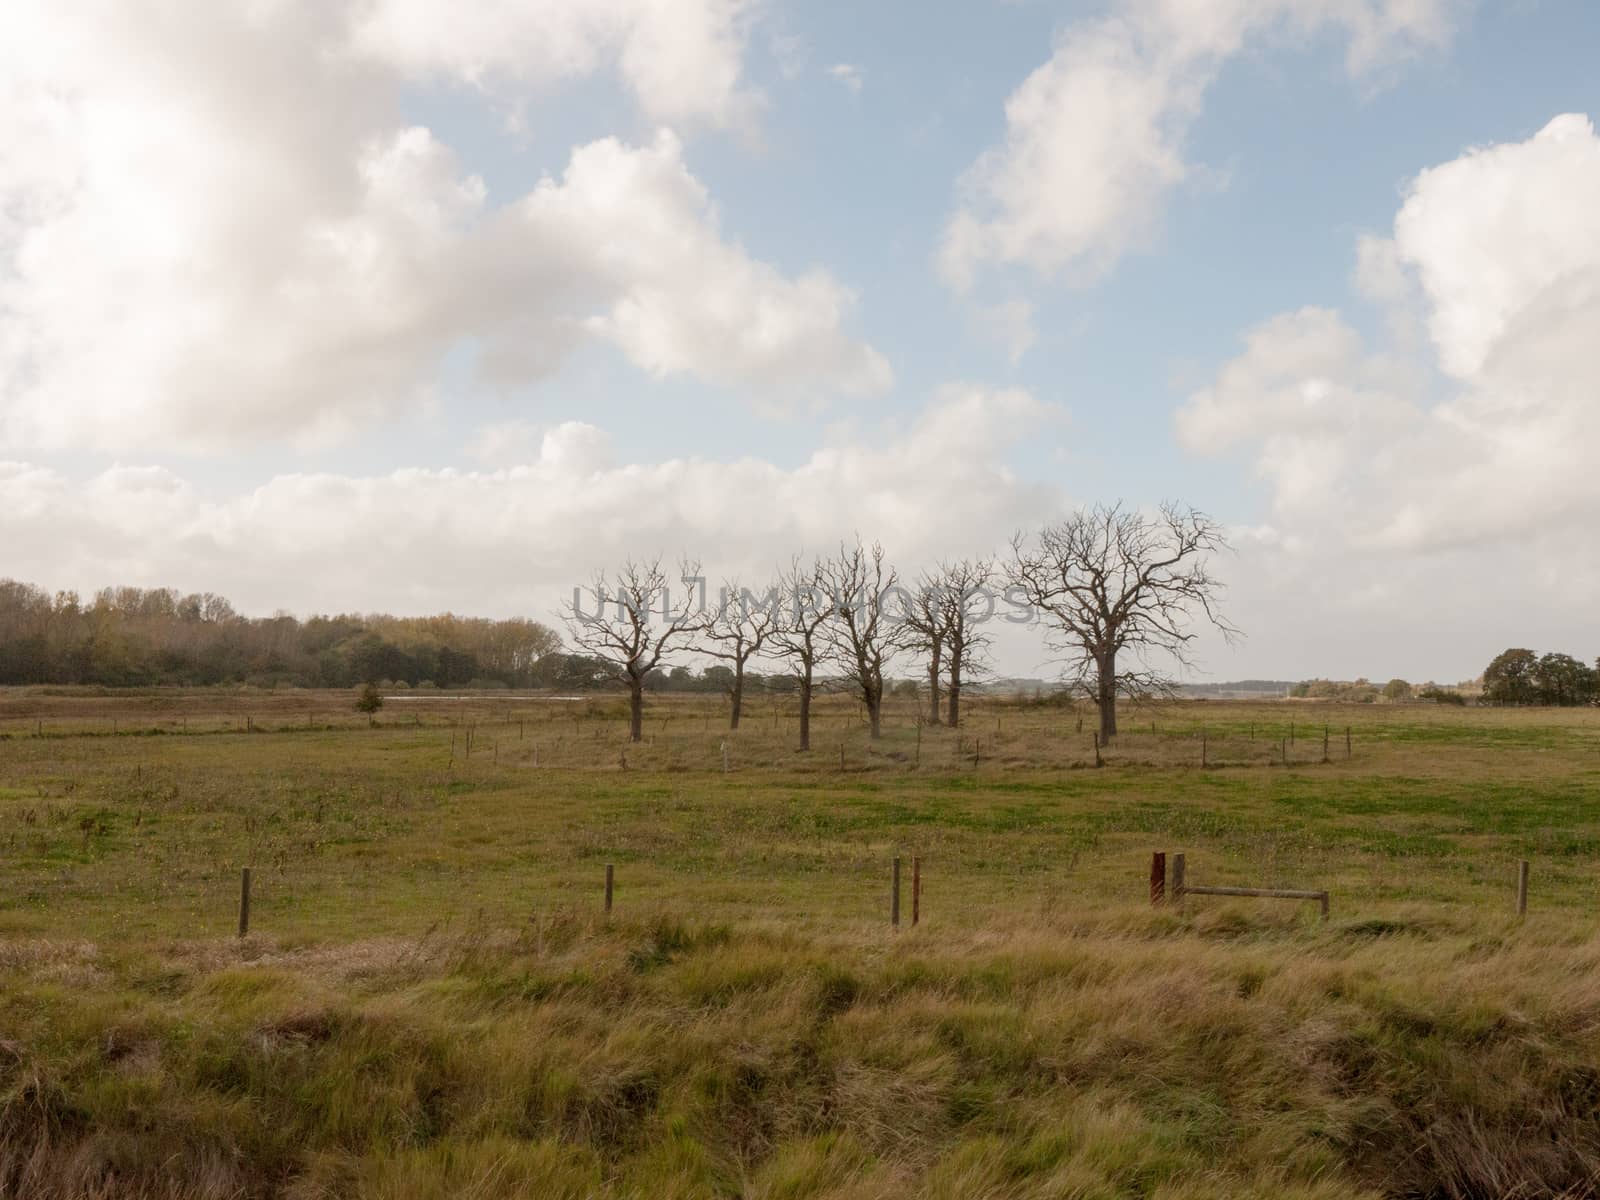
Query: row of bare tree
point(1119, 592)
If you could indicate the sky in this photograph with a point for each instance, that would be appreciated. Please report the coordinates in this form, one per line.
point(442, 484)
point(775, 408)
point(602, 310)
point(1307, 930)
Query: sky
point(333, 305)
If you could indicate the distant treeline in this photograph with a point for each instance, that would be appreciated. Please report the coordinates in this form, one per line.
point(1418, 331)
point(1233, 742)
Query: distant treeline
point(131, 636)
point(134, 637)
point(1515, 677)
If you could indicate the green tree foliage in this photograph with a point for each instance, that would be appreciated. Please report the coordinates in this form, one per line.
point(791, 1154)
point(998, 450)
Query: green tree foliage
point(1562, 680)
point(1509, 678)
point(370, 700)
point(1519, 676)
point(1359, 691)
point(1396, 690)
point(133, 636)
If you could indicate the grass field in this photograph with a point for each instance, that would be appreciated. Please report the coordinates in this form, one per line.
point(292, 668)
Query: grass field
point(431, 1001)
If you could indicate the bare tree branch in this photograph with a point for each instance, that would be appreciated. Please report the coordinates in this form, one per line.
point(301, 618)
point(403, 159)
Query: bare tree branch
point(798, 635)
point(1112, 582)
point(735, 631)
point(968, 603)
point(862, 634)
point(622, 629)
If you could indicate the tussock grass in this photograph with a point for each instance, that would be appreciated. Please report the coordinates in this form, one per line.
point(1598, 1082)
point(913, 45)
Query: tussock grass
point(672, 1058)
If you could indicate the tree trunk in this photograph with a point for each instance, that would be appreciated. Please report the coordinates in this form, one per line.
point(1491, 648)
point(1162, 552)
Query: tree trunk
point(933, 687)
point(805, 709)
point(874, 701)
point(1106, 698)
point(955, 688)
point(737, 694)
point(636, 710)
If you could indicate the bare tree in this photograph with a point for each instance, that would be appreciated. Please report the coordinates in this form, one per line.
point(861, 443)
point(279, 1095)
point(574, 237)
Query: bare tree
point(1114, 582)
point(968, 603)
point(925, 629)
point(799, 634)
point(862, 636)
point(735, 631)
point(623, 632)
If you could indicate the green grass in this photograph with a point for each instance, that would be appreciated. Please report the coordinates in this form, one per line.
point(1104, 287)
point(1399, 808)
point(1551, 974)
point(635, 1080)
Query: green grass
point(432, 1003)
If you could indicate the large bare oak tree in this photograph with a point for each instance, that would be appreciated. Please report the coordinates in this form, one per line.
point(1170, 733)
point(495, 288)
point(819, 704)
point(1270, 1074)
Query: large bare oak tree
point(944, 621)
point(1115, 584)
point(967, 602)
point(634, 624)
point(862, 635)
point(735, 631)
point(798, 637)
point(925, 629)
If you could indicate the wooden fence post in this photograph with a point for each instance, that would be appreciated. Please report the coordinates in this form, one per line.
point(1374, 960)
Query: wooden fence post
point(244, 901)
point(1178, 866)
point(1347, 741)
point(1291, 733)
point(1158, 877)
point(916, 889)
point(1097, 761)
point(894, 895)
point(1202, 748)
point(1324, 743)
point(1522, 888)
point(610, 883)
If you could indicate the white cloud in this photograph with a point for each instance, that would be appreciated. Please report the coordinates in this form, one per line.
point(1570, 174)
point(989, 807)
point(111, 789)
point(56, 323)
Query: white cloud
point(681, 58)
point(513, 539)
point(688, 301)
point(1498, 255)
point(504, 442)
point(1095, 137)
point(1502, 235)
point(188, 254)
point(848, 74)
point(1009, 324)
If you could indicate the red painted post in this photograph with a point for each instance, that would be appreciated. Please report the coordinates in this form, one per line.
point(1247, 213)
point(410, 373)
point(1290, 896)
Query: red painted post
point(1158, 877)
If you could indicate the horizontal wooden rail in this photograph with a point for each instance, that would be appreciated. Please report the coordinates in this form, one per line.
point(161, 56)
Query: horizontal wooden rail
point(1261, 893)
point(1195, 889)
